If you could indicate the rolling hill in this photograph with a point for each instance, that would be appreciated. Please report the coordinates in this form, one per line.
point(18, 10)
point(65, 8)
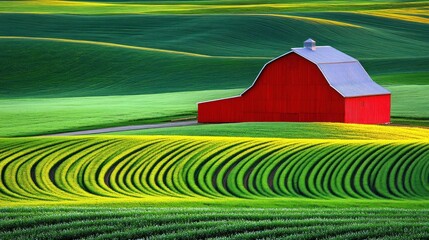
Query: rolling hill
point(72, 65)
point(48, 60)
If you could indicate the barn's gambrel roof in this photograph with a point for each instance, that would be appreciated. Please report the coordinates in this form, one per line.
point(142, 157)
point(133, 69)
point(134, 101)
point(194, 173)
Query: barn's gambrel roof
point(343, 73)
point(323, 54)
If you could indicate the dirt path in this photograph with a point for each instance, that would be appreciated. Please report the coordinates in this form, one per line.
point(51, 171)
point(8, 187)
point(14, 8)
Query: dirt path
point(128, 128)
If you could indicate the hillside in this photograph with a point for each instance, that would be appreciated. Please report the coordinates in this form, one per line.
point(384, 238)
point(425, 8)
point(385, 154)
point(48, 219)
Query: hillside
point(57, 56)
point(86, 64)
point(139, 54)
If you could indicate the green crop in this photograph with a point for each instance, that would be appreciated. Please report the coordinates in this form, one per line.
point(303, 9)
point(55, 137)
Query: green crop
point(221, 223)
point(74, 65)
point(85, 168)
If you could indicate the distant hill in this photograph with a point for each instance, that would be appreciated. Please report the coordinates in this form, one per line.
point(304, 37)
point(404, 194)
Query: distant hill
point(136, 63)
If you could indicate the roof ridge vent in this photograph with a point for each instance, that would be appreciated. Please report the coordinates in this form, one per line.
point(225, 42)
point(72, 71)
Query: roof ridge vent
point(310, 44)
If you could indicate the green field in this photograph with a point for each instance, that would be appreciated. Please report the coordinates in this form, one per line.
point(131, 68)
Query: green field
point(77, 50)
point(74, 65)
point(30, 116)
point(79, 168)
point(290, 130)
point(181, 187)
point(199, 223)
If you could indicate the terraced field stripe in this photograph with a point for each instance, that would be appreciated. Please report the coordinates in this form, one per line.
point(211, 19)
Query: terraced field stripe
point(79, 168)
point(8, 185)
point(118, 45)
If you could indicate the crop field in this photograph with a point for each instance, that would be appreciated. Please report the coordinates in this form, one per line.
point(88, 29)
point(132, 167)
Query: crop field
point(87, 64)
point(290, 130)
point(199, 187)
point(60, 59)
point(116, 167)
point(200, 223)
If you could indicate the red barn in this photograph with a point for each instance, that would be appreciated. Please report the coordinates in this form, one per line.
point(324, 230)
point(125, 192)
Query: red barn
point(309, 84)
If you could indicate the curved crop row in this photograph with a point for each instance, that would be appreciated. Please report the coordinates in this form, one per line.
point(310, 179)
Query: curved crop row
point(116, 167)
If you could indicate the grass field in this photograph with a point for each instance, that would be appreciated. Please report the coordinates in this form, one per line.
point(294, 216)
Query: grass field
point(46, 115)
point(199, 223)
point(407, 10)
point(291, 130)
point(73, 65)
point(53, 60)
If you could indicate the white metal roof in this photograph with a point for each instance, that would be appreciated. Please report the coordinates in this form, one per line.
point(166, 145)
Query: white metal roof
point(351, 80)
point(343, 73)
point(323, 54)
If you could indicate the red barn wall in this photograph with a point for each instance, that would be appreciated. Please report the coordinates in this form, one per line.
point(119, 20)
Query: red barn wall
point(368, 109)
point(227, 110)
point(288, 89)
